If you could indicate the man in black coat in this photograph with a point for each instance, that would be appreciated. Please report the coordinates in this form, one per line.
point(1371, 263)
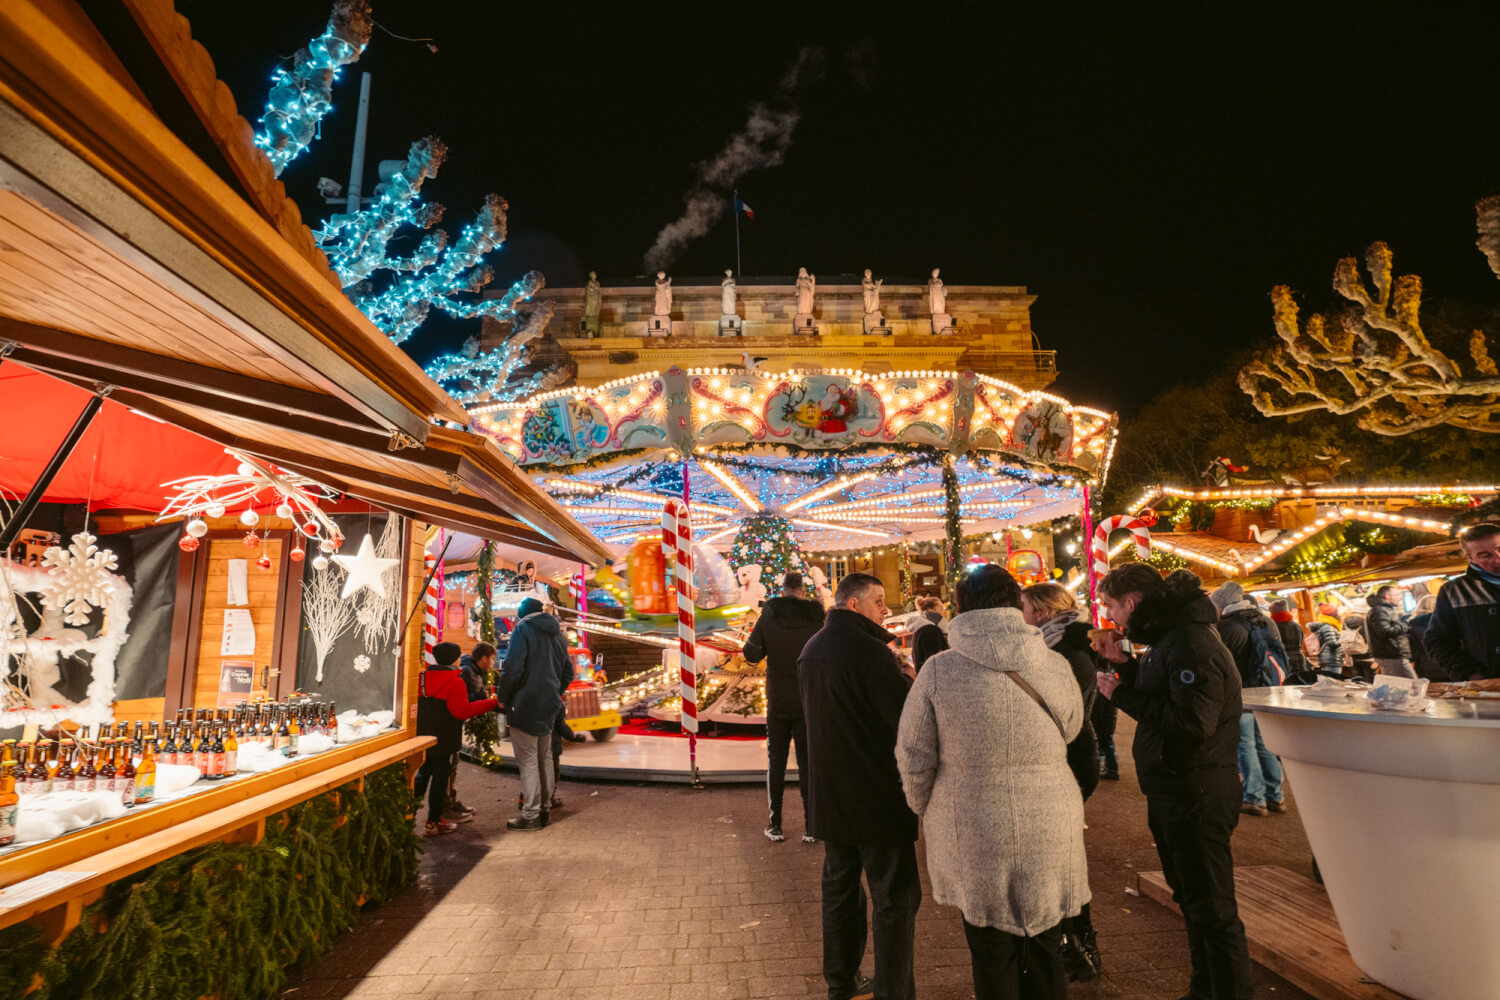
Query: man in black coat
point(533, 677)
point(783, 628)
point(1184, 694)
point(1389, 644)
point(1463, 635)
point(853, 690)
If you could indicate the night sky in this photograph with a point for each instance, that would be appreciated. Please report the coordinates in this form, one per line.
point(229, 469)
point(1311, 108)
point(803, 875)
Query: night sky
point(1148, 178)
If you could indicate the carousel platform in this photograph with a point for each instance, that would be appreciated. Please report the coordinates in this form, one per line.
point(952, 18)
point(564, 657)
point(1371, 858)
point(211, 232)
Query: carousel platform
point(629, 757)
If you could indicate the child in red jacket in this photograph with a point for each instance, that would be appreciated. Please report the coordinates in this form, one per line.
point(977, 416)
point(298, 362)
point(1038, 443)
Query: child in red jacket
point(442, 706)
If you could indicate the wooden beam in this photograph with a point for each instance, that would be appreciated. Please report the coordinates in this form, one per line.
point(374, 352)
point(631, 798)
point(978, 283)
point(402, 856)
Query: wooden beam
point(162, 375)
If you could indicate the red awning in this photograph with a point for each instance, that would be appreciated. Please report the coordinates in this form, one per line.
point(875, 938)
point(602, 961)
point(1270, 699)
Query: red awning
point(120, 462)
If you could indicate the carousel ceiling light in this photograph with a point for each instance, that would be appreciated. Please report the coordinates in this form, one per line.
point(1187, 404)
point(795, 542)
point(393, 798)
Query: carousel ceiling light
point(734, 486)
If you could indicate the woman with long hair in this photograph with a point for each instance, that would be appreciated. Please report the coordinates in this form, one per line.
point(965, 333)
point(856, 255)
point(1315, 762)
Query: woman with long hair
point(983, 754)
point(1052, 608)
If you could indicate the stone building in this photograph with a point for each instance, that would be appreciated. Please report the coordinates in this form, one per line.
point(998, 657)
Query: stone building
point(990, 330)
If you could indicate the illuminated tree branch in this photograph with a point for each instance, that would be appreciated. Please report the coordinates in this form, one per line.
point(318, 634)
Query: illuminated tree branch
point(1378, 363)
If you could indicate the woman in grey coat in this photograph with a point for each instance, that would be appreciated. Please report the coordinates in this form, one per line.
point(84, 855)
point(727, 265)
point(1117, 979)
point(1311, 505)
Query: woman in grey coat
point(982, 752)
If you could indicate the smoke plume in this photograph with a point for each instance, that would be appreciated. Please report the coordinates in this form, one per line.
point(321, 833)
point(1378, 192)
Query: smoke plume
point(763, 142)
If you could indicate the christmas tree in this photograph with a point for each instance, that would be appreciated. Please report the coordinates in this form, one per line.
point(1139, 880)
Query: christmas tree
point(766, 540)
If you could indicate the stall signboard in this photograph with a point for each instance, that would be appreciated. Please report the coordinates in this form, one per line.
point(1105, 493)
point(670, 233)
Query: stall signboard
point(236, 680)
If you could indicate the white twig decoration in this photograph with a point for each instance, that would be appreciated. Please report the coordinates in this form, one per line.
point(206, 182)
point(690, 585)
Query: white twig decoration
point(200, 495)
point(326, 614)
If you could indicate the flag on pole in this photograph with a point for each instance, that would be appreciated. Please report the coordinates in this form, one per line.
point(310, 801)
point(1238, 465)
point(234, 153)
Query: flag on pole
point(740, 206)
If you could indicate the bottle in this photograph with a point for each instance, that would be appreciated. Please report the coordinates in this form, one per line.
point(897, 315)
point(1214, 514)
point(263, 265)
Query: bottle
point(105, 780)
point(10, 802)
point(62, 781)
point(125, 775)
point(85, 779)
point(283, 734)
point(231, 754)
point(294, 736)
point(267, 734)
point(23, 768)
point(145, 778)
point(171, 750)
point(333, 722)
point(41, 777)
point(138, 742)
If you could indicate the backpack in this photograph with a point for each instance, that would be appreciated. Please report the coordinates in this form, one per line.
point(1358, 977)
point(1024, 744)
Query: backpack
point(1270, 654)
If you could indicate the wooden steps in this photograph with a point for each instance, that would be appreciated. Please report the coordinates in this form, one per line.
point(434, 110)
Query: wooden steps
point(1292, 931)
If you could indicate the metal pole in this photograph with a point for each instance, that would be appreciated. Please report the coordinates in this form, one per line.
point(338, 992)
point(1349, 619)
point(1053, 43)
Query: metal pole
point(357, 164)
point(739, 266)
point(687, 500)
point(39, 488)
point(1088, 559)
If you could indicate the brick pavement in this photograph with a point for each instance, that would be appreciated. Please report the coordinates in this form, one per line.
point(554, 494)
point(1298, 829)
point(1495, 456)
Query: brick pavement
point(659, 892)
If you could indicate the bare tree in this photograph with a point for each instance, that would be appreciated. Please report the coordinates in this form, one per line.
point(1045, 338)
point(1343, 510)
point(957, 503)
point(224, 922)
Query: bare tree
point(326, 614)
point(1378, 362)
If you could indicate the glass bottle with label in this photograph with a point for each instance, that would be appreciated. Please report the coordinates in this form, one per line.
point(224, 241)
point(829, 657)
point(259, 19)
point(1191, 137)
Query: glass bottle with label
point(283, 733)
point(231, 754)
point(294, 735)
point(137, 742)
point(23, 768)
point(125, 774)
point(86, 775)
point(267, 733)
point(10, 802)
point(105, 780)
point(41, 777)
point(215, 742)
point(62, 781)
point(145, 778)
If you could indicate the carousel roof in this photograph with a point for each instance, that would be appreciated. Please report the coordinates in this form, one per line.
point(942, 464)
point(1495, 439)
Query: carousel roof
point(850, 459)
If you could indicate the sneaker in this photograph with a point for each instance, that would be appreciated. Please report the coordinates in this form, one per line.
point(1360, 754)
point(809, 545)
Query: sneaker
point(808, 838)
point(458, 807)
point(1076, 962)
point(459, 815)
point(1276, 807)
point(773, 833)
point(1110, 774)
point(524, 824)
point(441, 827)
point(1251, 809)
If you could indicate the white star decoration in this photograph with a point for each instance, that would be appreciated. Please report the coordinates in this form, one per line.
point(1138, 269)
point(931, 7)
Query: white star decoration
point(365, 569)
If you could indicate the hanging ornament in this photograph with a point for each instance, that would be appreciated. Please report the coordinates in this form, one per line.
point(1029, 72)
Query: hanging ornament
point(249, 518)
point(365, 569)
point(214, 510)
point(1148, 517)
point(320, 563)
point(264, 562)
point(197, 528)
point(187, 543)
point(252, 540)
point(245, 469)
point(310, 529)
point(78, 576)
point(326, 545)
point(297, 554)
point(284, 509)
point(338, 540)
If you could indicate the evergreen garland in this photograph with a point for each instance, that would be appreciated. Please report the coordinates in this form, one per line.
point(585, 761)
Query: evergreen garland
point(953, 549)
point(230, 920)
point(484, 729)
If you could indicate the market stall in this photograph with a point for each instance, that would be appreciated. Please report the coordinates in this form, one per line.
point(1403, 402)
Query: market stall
point(166, 318)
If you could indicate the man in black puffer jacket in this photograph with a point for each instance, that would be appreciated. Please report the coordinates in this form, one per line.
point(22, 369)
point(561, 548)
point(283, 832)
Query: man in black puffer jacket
point(533, 677)
point(1389, 643)
point(1184, 694)
point(784, 626)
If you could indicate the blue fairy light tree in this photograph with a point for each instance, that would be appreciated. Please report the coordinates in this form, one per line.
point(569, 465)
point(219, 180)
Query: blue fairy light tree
point(302, 95)
point(398, 292)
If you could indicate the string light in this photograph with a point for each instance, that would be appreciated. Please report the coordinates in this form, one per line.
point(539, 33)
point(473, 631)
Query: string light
point(732, 484)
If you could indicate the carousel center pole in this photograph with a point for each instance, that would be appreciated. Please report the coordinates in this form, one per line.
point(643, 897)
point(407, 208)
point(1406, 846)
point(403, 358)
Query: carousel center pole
point(1088, 563)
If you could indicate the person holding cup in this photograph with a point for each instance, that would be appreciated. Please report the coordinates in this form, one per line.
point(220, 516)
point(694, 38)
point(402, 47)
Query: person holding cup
point(1184, 695)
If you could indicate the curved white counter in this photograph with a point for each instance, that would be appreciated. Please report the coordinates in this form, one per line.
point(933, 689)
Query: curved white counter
point(1403, 813)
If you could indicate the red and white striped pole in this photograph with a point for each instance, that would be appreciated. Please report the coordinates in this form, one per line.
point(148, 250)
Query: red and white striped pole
point(677, 538)
point(430, 612)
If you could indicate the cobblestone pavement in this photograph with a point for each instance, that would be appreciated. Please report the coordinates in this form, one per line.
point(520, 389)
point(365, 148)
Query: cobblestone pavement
point(659, 892)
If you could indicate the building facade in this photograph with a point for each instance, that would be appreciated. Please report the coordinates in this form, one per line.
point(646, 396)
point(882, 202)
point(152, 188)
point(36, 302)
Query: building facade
point(986, 329)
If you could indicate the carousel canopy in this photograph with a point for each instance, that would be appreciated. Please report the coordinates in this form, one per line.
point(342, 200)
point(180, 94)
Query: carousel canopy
point(850, 459)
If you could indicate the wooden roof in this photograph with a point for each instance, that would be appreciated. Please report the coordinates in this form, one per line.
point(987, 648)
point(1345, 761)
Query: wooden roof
point(128, 259)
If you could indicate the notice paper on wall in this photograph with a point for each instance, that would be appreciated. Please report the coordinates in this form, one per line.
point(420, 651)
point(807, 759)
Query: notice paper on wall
point(238, 583)
point(239, 633)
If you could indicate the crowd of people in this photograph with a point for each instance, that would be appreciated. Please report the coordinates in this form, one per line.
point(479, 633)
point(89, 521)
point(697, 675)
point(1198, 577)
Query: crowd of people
point(992, 737)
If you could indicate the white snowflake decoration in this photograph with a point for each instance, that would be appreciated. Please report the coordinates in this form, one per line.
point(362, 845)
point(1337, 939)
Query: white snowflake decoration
point(361, 663)
point(78, 576)
point(10, 613)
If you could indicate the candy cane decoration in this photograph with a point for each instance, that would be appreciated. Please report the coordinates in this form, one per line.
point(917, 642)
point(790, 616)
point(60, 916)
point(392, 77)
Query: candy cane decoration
point(430, 612)
point(677, 538)
point(1138, 530)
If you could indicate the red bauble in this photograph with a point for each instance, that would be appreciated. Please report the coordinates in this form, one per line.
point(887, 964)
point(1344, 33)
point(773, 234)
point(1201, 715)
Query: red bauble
point(252, 541)
point(264, 562)
point(187, 543)
point(1148, 517)
point(310, 529)
point(338, 542)
point(297, 554)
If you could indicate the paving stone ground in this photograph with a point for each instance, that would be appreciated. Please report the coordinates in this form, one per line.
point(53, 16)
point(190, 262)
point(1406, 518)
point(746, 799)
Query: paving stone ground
point(660, 892)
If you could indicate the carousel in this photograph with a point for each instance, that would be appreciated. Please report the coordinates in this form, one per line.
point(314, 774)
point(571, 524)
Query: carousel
point(717, 481)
